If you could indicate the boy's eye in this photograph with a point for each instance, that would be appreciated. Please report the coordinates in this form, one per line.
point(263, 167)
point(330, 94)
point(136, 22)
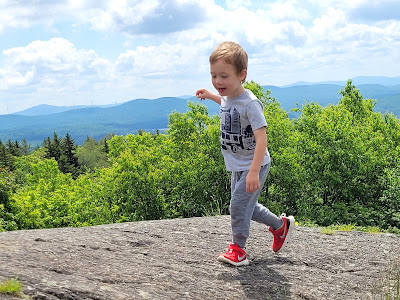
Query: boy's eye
point(224, 76)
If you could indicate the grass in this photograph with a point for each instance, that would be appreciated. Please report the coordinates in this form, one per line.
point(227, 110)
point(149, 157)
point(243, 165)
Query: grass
point(327, 230)
point(12, 287)
point(331, 229)
point(215, 209)
point(338, 227)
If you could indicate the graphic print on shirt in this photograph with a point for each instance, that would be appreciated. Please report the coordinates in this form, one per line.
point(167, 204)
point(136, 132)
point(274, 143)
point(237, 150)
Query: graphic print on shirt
point(233, 136)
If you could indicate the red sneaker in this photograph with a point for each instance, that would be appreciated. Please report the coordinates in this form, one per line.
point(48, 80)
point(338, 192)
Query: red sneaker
point(281, 234)
point(235, 256)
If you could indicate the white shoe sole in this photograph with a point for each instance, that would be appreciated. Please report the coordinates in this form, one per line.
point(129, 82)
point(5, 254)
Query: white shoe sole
point(244, 262)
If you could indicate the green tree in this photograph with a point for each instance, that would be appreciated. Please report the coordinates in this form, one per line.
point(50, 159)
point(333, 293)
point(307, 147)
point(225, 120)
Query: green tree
point(68, 161)
point(179, 174)
point(53, 147)
point(343, 151)
point(6, 187)
point(25, 147)
point(92, 155)
point(63, 151)
point(105, 148)
point(131, 183)
point(50, 198)
point(353, 101)
point(197, 164)
point(6, 158)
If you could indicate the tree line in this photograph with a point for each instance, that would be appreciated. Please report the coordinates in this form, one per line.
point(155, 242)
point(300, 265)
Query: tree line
point(70, 157)
point(334, 164)
point(11, 149)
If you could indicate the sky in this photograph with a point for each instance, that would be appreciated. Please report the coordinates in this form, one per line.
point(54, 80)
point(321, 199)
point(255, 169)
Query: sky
point(96, 52)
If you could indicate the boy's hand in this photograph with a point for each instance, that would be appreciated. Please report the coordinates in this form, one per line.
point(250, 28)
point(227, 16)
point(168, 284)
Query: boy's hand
point(203, 94)
point(252, 182)
point(206, 94)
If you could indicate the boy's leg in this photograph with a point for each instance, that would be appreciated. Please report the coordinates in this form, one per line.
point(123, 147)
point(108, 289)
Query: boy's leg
point(265, 216)
point(261, 214)
point(244, 207)
point(280, 227)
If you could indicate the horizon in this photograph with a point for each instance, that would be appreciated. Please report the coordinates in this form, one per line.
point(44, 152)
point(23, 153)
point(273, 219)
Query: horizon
point(297, 83)
point(70, 53)
point(339, 83)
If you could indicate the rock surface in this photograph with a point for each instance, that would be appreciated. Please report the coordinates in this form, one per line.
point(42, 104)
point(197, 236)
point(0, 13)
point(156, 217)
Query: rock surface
point(176, 259)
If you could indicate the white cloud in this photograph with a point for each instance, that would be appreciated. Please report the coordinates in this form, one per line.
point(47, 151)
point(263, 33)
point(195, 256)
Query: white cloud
point(10, 78)
point(328, 24)
point(119, 14)
point(287, 10)
point(163, 59)
point(15, 14)
point(54, 64)
point(149, 17)
point(343, 5)
point(234, 4)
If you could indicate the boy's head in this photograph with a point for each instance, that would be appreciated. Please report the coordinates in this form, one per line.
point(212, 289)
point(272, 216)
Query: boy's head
point(232, 54)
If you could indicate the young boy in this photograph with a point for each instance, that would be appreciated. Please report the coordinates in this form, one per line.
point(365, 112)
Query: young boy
point(244, 147)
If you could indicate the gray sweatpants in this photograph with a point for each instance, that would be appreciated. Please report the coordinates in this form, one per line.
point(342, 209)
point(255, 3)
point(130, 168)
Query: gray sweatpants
point(244, 207)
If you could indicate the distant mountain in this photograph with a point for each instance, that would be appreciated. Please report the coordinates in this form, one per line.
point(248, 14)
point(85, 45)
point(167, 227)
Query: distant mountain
point(381, 80)
point(96, 122)
point(39, 122)
point(44, 109)
point(388, 97)
point(186, 96)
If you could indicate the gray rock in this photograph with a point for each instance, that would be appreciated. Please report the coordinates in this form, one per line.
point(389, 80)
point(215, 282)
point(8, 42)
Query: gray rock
point(176, 259)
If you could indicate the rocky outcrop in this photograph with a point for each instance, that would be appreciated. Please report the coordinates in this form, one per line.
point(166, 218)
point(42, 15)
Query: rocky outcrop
point(176, 259)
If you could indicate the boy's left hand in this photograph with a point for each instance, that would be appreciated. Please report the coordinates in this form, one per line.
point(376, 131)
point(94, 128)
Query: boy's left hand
point(252, 182)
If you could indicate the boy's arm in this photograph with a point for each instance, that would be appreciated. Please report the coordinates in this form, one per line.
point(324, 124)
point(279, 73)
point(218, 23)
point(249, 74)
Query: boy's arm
point(206, 94)
point(252, 179)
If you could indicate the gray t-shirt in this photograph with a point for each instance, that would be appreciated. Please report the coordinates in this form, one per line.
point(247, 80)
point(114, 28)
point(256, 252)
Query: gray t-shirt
point(239, 117)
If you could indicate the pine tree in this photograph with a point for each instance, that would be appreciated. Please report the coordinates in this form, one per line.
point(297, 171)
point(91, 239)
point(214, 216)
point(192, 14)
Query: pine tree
point(6, 158)
point(47, 145)
point(68, 162)
point(11, 148)
point(25, 148)
point(56, 149)
point(53, 147)
point(17, 149)
point(105, 149)
point(3, 155)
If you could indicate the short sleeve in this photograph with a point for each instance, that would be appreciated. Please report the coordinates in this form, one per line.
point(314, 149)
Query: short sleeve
point(255, 114)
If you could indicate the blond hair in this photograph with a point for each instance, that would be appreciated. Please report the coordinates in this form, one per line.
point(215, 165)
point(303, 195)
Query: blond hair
point(232, 54)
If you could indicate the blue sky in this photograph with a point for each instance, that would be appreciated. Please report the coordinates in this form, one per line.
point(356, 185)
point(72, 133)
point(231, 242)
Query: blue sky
point(73, 52)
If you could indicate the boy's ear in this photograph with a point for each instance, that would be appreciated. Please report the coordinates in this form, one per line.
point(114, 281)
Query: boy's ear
point(243, 75)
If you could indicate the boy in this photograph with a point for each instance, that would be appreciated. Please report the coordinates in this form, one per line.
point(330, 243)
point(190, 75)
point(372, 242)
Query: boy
point(244, 147)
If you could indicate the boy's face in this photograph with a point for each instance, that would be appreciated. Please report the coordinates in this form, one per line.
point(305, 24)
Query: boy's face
point(226, 80)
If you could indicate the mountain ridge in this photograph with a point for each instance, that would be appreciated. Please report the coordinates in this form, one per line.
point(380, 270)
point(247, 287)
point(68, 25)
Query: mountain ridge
point(359, 80)
point(96, 122)
point(36, 124)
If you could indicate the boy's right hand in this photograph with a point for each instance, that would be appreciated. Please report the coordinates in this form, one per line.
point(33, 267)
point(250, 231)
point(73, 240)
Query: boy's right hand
point(206, 94)
point(203, 94)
